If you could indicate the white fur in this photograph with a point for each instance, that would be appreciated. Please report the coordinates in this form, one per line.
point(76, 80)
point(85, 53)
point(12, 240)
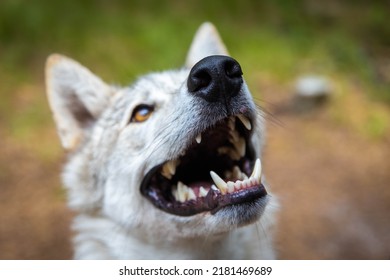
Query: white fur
point(108, 157)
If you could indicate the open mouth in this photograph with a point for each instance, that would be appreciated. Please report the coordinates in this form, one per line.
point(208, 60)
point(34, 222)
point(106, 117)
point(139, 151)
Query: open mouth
point(217, 170)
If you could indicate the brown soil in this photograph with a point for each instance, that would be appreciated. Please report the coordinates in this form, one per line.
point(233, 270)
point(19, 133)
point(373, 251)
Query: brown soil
point(333, 184)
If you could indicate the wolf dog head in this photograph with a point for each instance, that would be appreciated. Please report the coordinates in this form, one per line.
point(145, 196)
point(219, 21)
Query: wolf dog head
point(175, 155)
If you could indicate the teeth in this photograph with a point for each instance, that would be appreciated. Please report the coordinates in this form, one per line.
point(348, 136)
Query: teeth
point(171, 165)
point(169, 169)
point(245, 121)
point(257, 171)
point(198, 138)
point(243, 176)
point(182, 192)
point(202, 192)
point(191, 194)
point(237, 185)
point(253, 181)
point(166, 173)
point(222, 186)
point(230, 186)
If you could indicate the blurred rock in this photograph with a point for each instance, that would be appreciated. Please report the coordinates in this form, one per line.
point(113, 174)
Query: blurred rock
point(311, 92)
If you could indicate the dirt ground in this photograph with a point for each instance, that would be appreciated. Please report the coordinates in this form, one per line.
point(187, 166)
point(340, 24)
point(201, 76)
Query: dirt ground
point(333, 185)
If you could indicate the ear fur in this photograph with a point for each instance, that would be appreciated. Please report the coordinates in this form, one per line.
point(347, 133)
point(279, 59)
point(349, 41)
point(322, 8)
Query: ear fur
point(206, 42)
point(76, 97)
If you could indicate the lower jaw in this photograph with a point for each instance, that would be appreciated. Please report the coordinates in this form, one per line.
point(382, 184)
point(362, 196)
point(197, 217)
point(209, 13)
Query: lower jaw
point(216, 202)
point(238, 215)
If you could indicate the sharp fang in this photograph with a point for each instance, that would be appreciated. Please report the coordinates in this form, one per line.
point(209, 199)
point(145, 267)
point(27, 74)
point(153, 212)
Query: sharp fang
point(182, 191)
point(202, 192)
point(169, 169)
point(165, 172)
point(245, 121)
point(219, 182)
point(171, 165)
point(198, 138)
point(191, 194)
point(257, 171)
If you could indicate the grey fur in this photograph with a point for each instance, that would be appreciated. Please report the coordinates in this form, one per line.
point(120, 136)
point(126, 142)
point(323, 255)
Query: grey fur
point(108, 157)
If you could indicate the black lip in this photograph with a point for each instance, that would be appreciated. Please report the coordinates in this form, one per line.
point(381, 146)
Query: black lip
point(213, 202)
point(157, 189)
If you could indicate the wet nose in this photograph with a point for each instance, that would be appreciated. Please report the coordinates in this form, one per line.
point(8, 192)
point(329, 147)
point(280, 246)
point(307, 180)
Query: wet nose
point(215, 78)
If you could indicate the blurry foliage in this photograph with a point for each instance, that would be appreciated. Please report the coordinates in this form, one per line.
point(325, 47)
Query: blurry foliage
point(121, 39)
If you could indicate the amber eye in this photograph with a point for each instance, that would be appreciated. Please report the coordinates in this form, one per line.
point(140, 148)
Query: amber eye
point(141, 113)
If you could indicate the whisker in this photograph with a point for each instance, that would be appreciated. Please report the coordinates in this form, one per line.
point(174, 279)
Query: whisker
point(267, 114)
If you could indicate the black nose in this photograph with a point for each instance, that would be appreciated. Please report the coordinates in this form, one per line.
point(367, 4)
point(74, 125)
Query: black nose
point(215, 78)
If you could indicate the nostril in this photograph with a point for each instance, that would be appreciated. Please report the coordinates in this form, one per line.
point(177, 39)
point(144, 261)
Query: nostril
point(233, 70)
point(198, 80)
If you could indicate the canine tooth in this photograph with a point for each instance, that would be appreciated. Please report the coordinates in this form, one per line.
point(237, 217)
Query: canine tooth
point(214, 188)
point(202, 192)
point(198, 138)
point(221, 184)
point(171, 165)
point(245, 121)
point(169, 169)
point(230, 186)
point(166, 173)
point(257, 171)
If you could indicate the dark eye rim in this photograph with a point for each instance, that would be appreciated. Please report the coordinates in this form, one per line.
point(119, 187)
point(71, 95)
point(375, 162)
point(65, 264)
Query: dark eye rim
point(137, 109)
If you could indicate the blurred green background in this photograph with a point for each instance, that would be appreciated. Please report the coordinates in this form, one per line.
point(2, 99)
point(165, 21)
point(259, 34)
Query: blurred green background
point(276, 41)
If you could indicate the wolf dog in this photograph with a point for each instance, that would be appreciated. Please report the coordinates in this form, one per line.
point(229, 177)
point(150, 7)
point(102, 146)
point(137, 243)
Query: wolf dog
point(169, 167)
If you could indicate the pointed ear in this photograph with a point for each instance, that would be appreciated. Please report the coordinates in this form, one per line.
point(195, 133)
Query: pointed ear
point(205, 43)
point(76, 98)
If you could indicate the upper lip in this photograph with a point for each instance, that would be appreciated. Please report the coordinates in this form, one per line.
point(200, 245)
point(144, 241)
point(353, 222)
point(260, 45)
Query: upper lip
point(190, 184)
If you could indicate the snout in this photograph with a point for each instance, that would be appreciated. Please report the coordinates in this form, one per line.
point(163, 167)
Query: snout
point(215, 78)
